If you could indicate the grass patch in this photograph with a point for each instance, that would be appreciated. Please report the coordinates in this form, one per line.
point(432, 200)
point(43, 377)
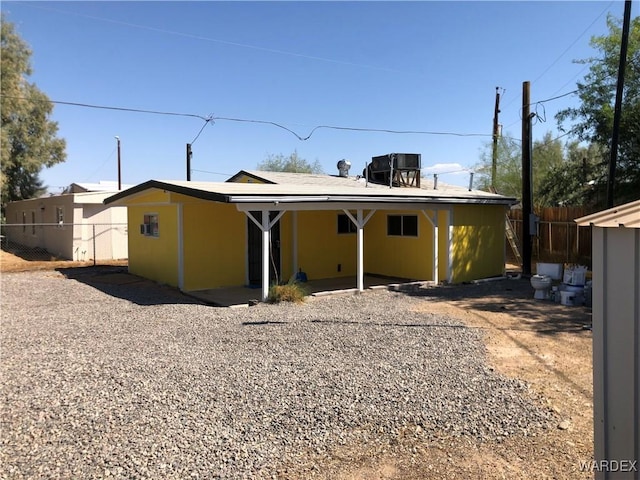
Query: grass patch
point(289, 292)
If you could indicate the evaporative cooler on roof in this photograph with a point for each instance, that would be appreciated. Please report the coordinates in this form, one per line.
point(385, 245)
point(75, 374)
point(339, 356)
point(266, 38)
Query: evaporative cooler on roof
point(396, 169)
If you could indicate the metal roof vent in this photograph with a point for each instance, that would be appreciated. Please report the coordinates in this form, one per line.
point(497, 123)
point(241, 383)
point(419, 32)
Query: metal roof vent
point(343, 168)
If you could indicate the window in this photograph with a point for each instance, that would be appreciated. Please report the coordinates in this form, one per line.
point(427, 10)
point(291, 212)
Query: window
point(345, 225)
point(402, 225)
point(24, 222)
point(33, 222)
point(150, 226)
point(60, 216)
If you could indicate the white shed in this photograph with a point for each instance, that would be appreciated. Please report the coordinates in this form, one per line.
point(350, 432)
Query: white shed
point(616, 340)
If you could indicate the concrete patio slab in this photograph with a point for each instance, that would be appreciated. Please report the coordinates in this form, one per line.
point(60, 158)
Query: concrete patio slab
point(236, 297)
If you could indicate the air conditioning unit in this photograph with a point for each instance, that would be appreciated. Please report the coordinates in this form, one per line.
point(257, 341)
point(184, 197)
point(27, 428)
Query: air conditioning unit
point(399, 161)
point(407, 161)
point(145, 229)
point(381, 163)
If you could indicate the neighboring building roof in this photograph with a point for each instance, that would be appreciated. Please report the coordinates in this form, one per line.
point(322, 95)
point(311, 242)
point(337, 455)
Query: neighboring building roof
point(101, 186)
point(318, 189)
point(290, 178)
point(627, 215)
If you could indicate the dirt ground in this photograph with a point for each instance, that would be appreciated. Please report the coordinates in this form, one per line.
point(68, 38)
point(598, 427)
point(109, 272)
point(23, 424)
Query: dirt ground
point(541, 343)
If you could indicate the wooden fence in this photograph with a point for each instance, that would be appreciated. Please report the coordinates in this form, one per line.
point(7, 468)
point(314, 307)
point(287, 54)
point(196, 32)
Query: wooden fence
point(559, 238)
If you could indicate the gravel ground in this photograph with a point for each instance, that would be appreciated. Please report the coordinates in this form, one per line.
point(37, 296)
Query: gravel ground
point(129, 381)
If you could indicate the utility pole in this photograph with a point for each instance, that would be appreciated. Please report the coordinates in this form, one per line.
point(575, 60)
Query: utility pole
point(624, 42)
point(526, 179)
point(119, 173)
point(496, 133)
point(188, 162)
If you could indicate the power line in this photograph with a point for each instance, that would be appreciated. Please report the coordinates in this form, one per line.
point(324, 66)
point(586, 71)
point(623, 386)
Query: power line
point(215, 40)
point(120, 109)
point(573, 43)
point(264, 122)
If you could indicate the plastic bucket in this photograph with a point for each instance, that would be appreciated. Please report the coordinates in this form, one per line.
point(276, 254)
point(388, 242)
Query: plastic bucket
point(567, 298)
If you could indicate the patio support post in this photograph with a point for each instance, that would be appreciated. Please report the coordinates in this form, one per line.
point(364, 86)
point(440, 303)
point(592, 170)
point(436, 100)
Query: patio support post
point(359, 221)
point(433, 220)
point(360, 252)
point(449, 214)
point(266, 234)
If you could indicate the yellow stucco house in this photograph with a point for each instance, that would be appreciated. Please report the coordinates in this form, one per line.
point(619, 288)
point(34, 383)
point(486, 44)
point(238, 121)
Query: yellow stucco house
point(203, 235)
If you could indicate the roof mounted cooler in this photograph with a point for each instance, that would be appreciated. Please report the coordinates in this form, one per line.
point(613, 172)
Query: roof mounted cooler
point(396, 169)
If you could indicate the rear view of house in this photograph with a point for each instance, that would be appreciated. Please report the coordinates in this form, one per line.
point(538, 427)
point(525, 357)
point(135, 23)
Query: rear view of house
point(259, 227)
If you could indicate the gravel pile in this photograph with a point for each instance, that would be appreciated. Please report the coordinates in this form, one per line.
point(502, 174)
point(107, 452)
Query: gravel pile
point(97, 385)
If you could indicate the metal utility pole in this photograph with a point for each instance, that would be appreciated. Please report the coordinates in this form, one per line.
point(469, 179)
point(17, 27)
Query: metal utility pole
point(527, 199)
point(188, 162)
point(119, 173)
point(618, 106)
point(496, 133)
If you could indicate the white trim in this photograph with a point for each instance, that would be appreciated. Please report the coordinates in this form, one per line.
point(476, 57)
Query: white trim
point(449, 213)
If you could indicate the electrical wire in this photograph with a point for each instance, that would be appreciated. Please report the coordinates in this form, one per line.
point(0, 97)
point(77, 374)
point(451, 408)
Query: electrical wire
point(263, 122)
point(212, 173)
point(209, 39)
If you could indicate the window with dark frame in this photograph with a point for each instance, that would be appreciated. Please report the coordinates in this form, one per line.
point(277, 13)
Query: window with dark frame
point(33, 222)
point(402, 225)
point(345, 225)
point(150, 227)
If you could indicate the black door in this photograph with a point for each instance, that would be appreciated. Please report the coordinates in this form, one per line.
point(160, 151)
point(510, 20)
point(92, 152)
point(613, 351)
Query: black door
point(255, 250)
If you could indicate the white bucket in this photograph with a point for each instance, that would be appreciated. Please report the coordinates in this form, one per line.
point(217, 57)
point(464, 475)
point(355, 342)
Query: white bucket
point(567, 298)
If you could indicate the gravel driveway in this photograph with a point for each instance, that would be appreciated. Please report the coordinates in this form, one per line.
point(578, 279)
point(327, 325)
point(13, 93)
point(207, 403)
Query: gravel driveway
point(130, 382)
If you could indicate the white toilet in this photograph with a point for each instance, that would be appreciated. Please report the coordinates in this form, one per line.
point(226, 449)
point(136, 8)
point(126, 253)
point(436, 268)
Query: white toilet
point(542, 285)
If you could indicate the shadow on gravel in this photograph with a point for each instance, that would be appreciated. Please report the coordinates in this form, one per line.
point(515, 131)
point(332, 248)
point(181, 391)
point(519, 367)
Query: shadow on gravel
point(408, 325)
point(513, 296)
point(117, 282)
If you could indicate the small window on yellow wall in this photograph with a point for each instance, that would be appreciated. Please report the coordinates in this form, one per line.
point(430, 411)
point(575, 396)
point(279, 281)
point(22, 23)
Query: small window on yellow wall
point(402, 225)
point(150, 226)
point(345, 225)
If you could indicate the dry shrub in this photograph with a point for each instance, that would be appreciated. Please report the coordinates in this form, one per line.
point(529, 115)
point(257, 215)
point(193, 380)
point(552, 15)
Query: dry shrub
point(289, 292)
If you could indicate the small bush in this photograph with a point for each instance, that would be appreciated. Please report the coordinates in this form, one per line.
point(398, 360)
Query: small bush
point(290, 292)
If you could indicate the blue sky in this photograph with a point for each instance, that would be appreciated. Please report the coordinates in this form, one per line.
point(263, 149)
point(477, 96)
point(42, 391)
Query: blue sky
point(418, 66)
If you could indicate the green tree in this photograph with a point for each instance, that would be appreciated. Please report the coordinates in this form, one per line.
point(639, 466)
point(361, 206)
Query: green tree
point(28, 136)
point(573, 182)
point(546, 155)
point(509, 167)
point(592, 121)
point(292, 163)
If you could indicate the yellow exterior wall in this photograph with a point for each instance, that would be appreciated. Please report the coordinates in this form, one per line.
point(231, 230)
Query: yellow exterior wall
point(155, 258)
point(215, 238)
point(321, 248)
point(395, 256)
point(478, 242)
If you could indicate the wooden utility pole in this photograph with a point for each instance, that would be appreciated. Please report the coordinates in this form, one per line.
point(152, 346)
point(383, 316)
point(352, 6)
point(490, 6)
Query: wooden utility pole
point(119, 172)
point(188, 162)
point(618, 105)
point(526, 179)
point(496, 134)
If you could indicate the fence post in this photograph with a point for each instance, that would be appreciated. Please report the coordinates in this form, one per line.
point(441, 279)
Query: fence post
point(94, 244)
point(566, 227)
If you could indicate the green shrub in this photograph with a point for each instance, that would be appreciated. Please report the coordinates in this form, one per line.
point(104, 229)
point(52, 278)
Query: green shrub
point(289, 292)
